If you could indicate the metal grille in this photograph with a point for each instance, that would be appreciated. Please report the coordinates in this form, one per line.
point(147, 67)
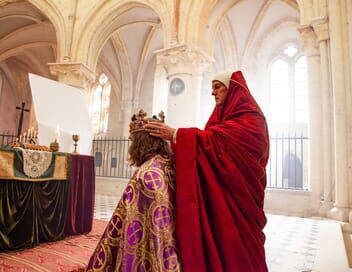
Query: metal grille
point(6, 139)
point(288, 164)
point(287, 167)
point(111, 157)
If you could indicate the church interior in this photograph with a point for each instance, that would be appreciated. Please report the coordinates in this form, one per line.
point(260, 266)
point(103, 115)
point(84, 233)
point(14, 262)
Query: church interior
point(127, 55)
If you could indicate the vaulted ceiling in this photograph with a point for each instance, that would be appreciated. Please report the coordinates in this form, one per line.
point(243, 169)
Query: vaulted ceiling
point(27, 44)
point(27, 37)
point(129, 52)
point(242, 29)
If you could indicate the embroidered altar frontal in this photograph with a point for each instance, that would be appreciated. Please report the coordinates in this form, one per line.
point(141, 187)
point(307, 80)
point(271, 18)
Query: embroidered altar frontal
point(33, 165)
point(43, 197)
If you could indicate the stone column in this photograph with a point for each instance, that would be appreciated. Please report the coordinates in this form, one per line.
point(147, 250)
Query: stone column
point(185, 62)
point(338, 58)
point(126, 111)
point(315, 113)
point(321, 29)
point(74, 74)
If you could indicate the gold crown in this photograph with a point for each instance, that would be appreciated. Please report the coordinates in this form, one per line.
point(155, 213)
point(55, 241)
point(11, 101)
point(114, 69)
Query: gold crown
point(138, 120)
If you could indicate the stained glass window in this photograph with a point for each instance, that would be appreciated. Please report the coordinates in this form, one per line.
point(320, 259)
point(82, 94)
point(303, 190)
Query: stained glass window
point(101, 103)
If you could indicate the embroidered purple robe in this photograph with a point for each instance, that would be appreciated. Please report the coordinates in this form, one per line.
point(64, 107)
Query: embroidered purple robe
point(140, 235)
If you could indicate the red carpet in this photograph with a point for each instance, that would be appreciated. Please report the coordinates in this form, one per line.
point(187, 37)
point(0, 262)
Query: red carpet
point(70, 254)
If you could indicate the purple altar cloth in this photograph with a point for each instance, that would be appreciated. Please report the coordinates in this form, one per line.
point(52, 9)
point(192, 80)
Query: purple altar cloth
point(81, 197)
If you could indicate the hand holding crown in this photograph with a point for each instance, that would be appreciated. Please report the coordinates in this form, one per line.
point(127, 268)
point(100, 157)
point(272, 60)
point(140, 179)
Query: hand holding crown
point(154, 126)
point(160, 129)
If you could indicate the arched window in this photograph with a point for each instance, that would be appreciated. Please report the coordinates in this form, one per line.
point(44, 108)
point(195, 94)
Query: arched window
point(289, 92)
point(301, 90)
point(288, 119)
point(101, 103)
point(280, 92)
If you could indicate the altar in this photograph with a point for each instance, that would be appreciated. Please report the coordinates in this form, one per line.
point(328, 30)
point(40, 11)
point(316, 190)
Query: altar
point(44, 196)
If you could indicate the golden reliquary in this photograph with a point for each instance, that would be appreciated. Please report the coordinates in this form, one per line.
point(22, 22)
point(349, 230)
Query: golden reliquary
point(30, 146)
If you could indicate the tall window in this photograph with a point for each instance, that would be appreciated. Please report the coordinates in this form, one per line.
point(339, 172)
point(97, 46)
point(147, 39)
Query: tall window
point(101, 103)
point(288, 91)
point(301, 91)
point(280, 92)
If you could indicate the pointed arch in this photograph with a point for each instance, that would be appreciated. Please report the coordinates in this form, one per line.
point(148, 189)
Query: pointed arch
point(51, 11)
point(99, 26)
point(219, 13)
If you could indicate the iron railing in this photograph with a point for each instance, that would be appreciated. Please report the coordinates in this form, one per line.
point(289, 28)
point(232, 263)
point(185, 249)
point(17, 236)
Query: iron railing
point(287, 167)
point(288, 163)
point(111, 157)
point(6, 139)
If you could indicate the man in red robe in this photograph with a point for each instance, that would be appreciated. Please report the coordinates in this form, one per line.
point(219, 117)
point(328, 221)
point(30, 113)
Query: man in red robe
point(220, 182)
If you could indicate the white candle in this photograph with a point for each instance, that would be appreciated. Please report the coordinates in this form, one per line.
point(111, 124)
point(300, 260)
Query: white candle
point(57, 133)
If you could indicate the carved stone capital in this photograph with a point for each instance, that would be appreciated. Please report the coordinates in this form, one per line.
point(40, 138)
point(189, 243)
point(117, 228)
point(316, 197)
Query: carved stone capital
point(74, 74)
point(321, 28)
point(183, 59)
point(309, 39)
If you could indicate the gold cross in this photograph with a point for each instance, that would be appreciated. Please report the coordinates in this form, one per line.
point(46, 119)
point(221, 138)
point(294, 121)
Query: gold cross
point(135, 231)
point(100, 260)
point(164, 214)
point(129, 191)
point(114, 226)
point(152, 181)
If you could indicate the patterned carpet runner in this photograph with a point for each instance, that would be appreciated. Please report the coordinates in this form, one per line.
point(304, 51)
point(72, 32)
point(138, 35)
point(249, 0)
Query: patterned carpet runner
point(70, 254)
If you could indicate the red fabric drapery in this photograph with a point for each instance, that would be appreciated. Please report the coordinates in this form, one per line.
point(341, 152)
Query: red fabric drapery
point(220, 187)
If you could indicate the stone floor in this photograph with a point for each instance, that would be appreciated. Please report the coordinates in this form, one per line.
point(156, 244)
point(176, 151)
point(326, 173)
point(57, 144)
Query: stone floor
point(291, 245)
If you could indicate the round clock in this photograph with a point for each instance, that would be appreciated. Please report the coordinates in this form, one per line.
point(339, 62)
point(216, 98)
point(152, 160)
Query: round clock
point(176, 86)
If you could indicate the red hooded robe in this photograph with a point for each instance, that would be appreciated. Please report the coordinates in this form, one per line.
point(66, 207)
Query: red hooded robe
point(221, 180)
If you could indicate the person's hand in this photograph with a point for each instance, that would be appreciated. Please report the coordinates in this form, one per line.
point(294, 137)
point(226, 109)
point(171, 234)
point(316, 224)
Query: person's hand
point(160, 130)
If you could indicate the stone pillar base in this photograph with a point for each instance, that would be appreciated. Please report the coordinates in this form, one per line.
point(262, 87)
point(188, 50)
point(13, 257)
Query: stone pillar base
point(325, 208)
point(339, 213)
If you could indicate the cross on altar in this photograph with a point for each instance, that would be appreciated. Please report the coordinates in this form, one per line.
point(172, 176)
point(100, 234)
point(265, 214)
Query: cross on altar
point(22, 108)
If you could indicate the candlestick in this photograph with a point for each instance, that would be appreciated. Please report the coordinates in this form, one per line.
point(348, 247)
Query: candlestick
point(58, 133)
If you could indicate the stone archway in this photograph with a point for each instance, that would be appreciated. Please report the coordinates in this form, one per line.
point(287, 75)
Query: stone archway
point(99, 26)
point(56, 18)
point(219, 14)
point(122, 46)
point(28, 40)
